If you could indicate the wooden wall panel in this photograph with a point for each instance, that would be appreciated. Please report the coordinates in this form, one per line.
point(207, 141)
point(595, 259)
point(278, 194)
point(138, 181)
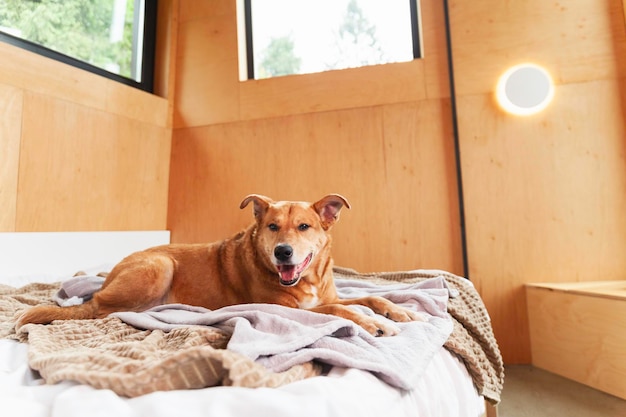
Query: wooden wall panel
point(435, 50)
point(577, 41)
point(79, 151)
point(333, 90)
point(10, 130)
point(207, 66)
point(545, 199)
point(545, 195)
point(421, 196)
point(390, 162)
point(85, 169)
point(165, 52)
point(32, 72)
point(194, 10)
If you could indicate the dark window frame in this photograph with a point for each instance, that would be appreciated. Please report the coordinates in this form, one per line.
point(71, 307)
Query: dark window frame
point(247, 10)
point(148, 52)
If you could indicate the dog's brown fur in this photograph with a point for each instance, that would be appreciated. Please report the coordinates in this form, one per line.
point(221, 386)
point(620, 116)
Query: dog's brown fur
point(266, 263)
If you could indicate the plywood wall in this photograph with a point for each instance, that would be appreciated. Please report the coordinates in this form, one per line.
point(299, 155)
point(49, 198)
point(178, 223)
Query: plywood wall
point(385, 160)
point(78, 151)
point(546, 194)
point(380, 135)
point(10, 132)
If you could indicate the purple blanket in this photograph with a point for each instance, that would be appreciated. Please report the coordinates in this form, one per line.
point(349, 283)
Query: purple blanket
point(280, 337)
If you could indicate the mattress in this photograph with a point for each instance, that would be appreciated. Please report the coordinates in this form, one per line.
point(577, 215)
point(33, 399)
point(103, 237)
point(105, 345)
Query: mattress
point(448, 386)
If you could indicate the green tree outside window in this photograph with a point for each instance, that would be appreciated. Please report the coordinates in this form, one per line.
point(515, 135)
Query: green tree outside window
point(99, 32)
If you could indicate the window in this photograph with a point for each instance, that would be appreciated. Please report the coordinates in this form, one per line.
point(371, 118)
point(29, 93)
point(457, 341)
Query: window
point(302, 36)
point(113, 38)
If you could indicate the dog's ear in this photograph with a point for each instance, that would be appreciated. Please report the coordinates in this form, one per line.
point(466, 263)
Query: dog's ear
point(328, 209)
point(261, 204)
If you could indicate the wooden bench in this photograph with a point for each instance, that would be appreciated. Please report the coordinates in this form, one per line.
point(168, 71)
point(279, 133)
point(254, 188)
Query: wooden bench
point(578, 330)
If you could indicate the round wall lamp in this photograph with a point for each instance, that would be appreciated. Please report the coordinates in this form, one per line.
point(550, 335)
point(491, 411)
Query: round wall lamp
point(525, 89)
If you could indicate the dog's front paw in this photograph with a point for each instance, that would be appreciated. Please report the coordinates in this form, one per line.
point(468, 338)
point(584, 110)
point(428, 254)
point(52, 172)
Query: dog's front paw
point(392, 311)
point(403, 315)
point(378, 327)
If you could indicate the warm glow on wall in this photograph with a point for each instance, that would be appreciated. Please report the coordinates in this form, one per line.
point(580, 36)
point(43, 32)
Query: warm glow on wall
point(525, 89)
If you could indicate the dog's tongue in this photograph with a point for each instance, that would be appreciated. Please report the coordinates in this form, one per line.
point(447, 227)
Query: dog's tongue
point(287, 272)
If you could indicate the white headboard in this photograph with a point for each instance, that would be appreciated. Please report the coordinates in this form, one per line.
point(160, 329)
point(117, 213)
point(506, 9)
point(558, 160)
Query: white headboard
point(65, 253)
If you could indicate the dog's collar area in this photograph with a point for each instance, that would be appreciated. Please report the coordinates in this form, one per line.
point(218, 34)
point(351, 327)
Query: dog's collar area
point(289, 275)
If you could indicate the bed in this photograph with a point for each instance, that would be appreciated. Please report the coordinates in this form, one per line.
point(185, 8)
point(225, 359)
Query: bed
point(182, 359)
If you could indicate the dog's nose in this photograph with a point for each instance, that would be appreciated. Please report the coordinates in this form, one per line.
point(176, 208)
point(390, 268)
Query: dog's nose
point(283, 252)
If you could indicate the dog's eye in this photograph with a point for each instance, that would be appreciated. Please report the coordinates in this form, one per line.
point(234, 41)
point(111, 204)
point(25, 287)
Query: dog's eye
point(303, 227)
point(273, 227)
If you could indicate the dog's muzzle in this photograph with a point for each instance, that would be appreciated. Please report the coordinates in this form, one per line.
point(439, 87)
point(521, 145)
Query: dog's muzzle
point(288, 272)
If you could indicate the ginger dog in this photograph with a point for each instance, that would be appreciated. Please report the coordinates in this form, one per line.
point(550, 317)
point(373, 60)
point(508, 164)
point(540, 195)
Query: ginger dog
point(282, 258)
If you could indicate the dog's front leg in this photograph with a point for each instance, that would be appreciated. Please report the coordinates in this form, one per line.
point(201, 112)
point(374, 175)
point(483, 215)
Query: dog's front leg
point(386, 308)
point(372, 325)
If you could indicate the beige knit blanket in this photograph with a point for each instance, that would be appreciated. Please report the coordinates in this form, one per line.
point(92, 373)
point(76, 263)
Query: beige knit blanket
point(107, 353)
point(472, 338)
